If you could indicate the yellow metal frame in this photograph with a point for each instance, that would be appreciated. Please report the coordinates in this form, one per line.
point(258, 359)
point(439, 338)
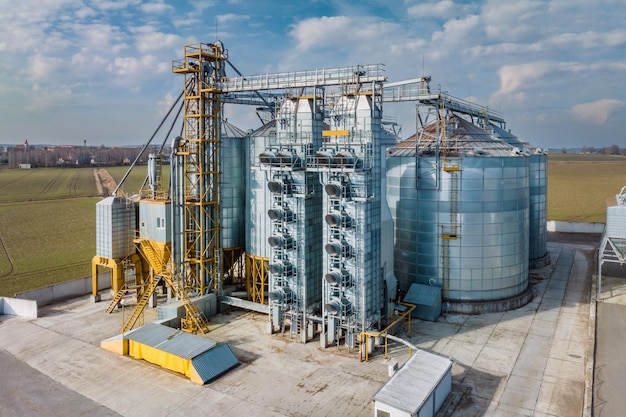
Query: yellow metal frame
point(117, 272)
point(202, 109)
point(257, 278)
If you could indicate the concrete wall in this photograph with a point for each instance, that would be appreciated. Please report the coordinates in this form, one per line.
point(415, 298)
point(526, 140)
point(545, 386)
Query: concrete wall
point(575, 227)
point(76, 288)
point(16, 307)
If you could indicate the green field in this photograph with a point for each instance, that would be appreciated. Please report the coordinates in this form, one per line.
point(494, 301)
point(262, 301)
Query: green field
point(579, 185)
point(47, 224)
point(47, 215)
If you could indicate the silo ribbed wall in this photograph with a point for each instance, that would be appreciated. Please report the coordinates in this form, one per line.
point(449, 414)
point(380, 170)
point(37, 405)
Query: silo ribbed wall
point(232, 192)
point(538, 206)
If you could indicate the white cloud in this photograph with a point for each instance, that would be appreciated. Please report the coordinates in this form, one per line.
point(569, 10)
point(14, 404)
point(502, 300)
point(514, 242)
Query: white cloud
point(515, 78)
point(459, 30)
point(444, 9)
point(132, 68)
point(520, 20)
point(157, 7)
point(148, 39)
point(597, 112)
point(343, 32)
point(231, 17)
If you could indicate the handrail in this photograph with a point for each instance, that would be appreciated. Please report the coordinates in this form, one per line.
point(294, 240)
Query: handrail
point(383, 333)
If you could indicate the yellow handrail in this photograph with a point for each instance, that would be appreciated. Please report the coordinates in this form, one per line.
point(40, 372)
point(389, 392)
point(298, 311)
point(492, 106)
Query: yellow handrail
point(383, 332)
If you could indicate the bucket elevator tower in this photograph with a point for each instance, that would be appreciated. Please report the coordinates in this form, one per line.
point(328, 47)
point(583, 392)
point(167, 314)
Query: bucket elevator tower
point(196, 242)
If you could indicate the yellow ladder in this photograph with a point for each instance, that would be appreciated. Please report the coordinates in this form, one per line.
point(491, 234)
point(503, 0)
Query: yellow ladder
point(141, 304)
point(116, 300)
point(195, 319)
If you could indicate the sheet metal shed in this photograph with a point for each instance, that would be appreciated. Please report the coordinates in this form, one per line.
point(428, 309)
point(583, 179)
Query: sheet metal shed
point(418, 389)
point(197, 357)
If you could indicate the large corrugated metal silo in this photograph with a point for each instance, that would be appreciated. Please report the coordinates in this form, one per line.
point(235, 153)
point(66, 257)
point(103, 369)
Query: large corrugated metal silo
point(461, 211)
point(538, 186)
point(232, 201)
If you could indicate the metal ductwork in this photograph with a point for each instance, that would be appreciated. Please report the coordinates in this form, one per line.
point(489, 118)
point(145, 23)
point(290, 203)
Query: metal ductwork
point(337, 219)
point(339, 307)
point(338, 248)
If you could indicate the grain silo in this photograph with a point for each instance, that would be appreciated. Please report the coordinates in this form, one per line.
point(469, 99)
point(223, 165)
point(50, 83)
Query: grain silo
point(538, 185)
point(460, 203)
point(232, 201)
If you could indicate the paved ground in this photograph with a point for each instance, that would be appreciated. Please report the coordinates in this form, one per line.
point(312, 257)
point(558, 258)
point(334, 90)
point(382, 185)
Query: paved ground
point(533, 361)
point(609, 399)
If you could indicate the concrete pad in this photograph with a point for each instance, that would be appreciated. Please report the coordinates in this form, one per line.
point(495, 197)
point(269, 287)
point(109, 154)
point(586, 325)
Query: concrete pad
point(528, 366)
point(543, 328)
point(506, 340)
point(557, 293)
point(568, 350)
point(521, 393)
point(560, 399)
point(484, 385)
point(558, 370)
point(475, 336)
point(495, 360)
point(514, 323)
point(504, 363)
point(33, 393)
point(462, 352)
point(506, 410)
point(551, 315)
point(437, 330)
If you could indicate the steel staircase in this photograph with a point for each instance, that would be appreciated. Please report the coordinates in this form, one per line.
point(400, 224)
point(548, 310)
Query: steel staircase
point(195, 320)
point(141, 304)
point(116, 300)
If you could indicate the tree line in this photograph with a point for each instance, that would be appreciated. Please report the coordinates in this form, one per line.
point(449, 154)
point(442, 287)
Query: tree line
point(607, 150)
point(70, 156)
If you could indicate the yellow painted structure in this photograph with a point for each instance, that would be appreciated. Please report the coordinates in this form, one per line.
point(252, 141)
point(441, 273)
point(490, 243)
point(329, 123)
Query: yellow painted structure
point(256, 278)
point(117, 271)
point(198, 358)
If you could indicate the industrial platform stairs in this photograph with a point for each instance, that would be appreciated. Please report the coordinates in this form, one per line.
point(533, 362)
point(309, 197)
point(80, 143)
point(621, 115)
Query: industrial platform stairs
point(116, 300)
point(195, 321)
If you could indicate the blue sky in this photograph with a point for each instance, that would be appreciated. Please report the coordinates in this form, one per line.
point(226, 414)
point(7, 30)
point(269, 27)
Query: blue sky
point(100, 71)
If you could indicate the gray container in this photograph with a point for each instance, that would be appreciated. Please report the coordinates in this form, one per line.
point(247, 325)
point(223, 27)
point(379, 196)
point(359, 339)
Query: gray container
point(462, 218)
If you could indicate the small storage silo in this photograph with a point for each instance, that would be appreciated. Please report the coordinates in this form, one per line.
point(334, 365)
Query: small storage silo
point(461, 212)
point(538, 185)
point(115, 226)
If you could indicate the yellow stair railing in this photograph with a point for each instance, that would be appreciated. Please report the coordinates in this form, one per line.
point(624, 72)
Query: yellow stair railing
point(116, 300)
point(195, 320)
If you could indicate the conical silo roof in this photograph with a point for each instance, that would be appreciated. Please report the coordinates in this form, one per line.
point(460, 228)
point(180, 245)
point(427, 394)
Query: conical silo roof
point(462, 138)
